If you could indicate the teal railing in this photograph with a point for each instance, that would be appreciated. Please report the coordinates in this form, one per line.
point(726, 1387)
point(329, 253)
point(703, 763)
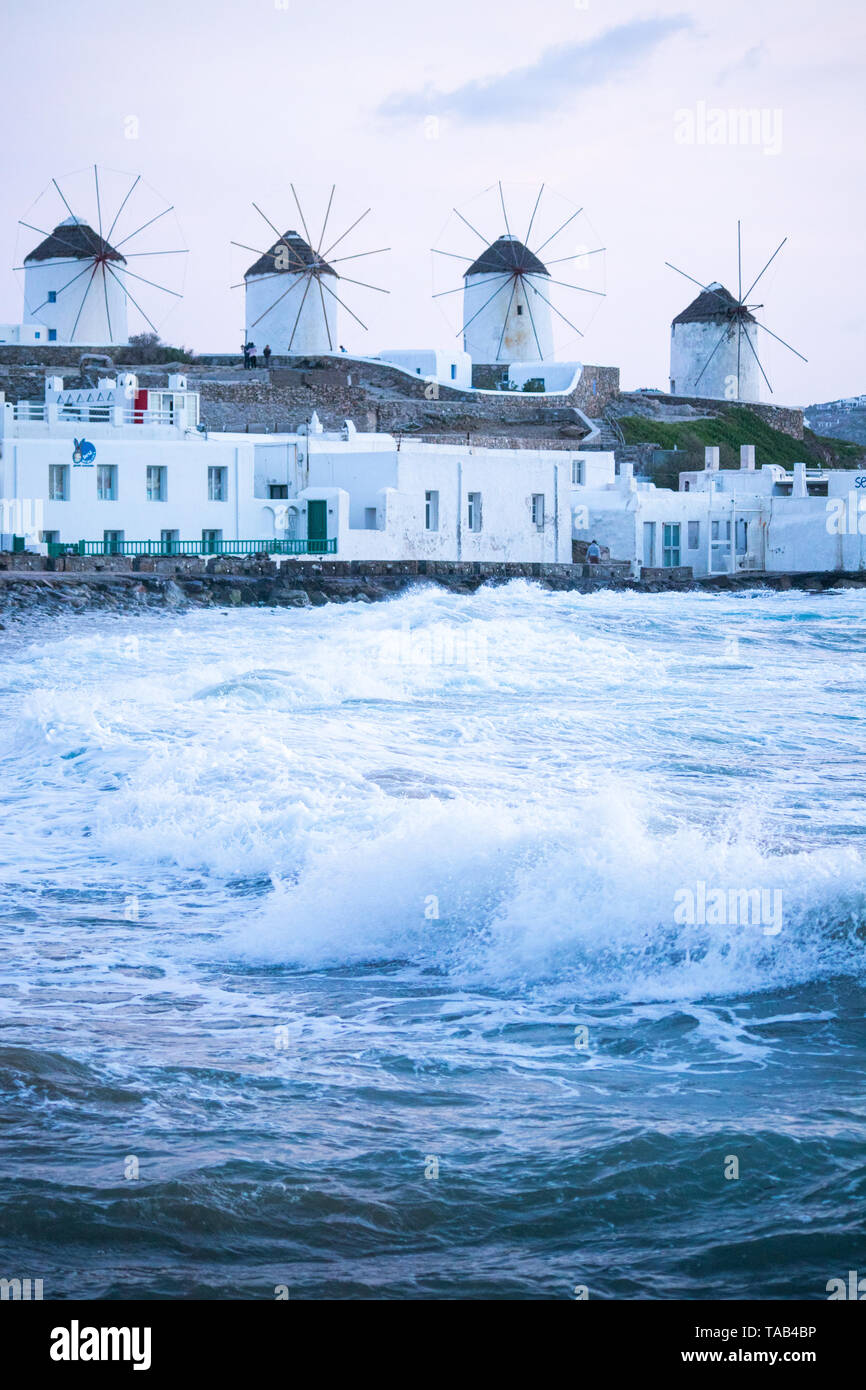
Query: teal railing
point(271, 547)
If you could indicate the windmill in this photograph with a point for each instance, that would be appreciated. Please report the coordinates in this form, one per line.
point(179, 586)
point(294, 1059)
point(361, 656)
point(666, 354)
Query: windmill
point(510, 297)
point(721, 365)
point(290, 291)
point(78, 281)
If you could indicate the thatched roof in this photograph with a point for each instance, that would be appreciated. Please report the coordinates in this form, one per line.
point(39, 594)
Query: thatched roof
point(507, 254)
point(713, 305)
point(288, 256)
point(73, 241)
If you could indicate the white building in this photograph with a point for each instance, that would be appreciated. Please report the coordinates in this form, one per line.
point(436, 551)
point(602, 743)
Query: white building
point(73, 291)
point(705, 358)
point(290, 305)
point(433, 365)
point(121, 468)
point(730, 521)
point(506, 313)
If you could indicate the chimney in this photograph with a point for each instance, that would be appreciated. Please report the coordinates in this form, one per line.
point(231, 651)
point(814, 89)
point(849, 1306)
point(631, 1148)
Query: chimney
point(711, 458)
point(747, 457)
point(799, 488)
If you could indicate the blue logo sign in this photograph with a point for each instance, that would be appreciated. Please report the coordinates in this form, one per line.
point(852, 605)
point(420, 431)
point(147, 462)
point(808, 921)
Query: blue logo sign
point(84, 452)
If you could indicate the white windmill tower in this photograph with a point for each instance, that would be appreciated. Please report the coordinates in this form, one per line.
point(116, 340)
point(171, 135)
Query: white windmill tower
point(509, 310)
point(292, 304)
point(714, 341)
point(78, 282)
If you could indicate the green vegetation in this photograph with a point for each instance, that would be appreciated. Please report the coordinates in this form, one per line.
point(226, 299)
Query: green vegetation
point(738, 425)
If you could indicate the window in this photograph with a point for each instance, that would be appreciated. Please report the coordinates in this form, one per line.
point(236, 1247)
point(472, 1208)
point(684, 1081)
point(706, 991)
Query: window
point(58, 482)
point(453, 371)
point(649, 544)
point(211, 540)
point(52, 335)
point(742, 534)
point(538, 510)
point(671, 545)
point(36, 335)
point(50, 537)
point(112, 542)
point(577, 473)
point(474, 513)
point(278, 491)
point(370, 519)
point(520, 308)
point(687, 486)
point(217, 484)
point(106, 482)
point(169, 541)
point(694, 538)
point(431, 511)
point(52, 297)
point(155, 483)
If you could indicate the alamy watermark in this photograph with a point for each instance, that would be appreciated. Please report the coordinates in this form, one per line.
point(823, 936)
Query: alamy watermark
point(758, 126)
point(729, 907)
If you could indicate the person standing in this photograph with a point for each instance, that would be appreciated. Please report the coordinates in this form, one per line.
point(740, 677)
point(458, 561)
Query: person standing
point(253, 360)
point(266, 354)
point(246, 355)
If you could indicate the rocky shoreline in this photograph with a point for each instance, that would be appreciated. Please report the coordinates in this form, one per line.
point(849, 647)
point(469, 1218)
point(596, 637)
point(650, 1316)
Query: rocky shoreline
point(31, 592)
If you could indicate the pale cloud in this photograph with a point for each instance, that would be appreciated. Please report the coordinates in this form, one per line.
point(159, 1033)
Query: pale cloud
point(554, 80)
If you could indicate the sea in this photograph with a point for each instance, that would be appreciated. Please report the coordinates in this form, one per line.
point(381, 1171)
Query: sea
point(476, 947)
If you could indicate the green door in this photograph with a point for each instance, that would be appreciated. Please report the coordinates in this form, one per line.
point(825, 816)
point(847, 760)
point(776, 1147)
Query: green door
point(317, 522)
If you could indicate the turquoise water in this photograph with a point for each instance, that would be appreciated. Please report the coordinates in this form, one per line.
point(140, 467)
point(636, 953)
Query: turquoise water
point(344, 950)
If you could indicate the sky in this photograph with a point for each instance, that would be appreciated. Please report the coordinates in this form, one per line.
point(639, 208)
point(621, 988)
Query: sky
point(621, 108)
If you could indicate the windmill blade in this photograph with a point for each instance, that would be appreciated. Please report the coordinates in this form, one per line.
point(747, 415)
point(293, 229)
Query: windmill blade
point(31, 228)
point(272, 254)
point(144, 226)
point(461, 289)
point(582, 289)
point(558, 230)
point(98, 204)
point(300, 308)
point(327, 215)
point(87, 267)
point(144, 281)
point(766, 267)
point(280, 299)
point(133, 255)
point(278, 235)
point(453, 255)
point(782, 341)
point(129, 295)
point(725, 332)
point(739, 272)
point(532, 218)
point(129, 194)
point(105, 293)
point(324, 315)
point(705, 288)
point(344, 306)
point(347, 280)
point(507, 227)
point(472, 229)
point(577, 257)
point(337, 260)
point(497, 291)
point(556, 311)
point(327, 253)
point(84, 297)
point(751, 347)
point(303, 219)
point(535, 333)
point(505, 320)
point(69, 210)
